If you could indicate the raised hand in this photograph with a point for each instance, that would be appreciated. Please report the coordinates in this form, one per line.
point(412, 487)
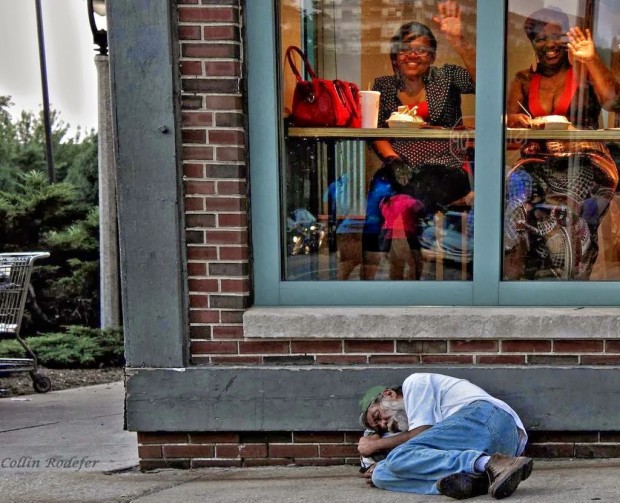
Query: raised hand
point(580, 45)
point(449, 19)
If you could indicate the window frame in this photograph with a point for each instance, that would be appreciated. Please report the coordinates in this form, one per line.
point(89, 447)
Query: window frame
point(486, 288)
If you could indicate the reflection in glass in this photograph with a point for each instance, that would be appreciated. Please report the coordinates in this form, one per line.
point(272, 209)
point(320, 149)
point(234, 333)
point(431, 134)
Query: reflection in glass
point(395, 203)
point(561, 199)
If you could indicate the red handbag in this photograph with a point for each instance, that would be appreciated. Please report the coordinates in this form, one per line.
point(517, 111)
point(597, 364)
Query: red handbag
point(320, 102)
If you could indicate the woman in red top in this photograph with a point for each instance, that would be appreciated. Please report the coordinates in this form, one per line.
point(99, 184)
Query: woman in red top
point(550, 230)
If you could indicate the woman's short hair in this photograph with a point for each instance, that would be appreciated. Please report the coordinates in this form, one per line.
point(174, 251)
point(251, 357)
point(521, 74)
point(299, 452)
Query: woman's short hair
point(542, 17)
point(411, 28)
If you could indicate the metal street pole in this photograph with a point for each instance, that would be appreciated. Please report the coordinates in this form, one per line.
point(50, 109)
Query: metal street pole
point(46, 102)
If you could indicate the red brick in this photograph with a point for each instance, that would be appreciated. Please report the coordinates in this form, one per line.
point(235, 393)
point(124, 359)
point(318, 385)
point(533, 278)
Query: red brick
point(316, 346)
point(395, 359)
point(318, 438)
point(197, 119)
point(222, 32)
point(195, 269)
point(439, 359)
point(264, 347)
point(196, 301)
point(157, 464)
point(341, 359)
point(526, 346)
point(293, 451)
point(236, 360)
point(193, 170)
point(610, 436)
point(201, 253)
point(338, 451)
point(216, 463)
point(188, 451)
point(226, 137)
point(194, 204)
point(612, 346)
point(214, 438)
point(600, 359)
point(501, 359)
point(230, 153)
point(552, 359)
point(223, 102)
point(225, 203)
point(232, 219)
point(149, 451)
point(577, 346)
point(222, 68)
point(255, 462)
point(198, 153)
point(194, 136)
point(206, 51)
point(213, 347)
point(200, 332)
point(234, 253)
point(235, 285)
point(200, 220)
point(191, 102)
point(232, 317)
point(191, 68)
point(206, 14)
point(199, 187)
point(472, 346)
point(597, 451)
point(241, 451)
point(231, 187)
point(204, 316)
point(550, 450)
point(190, 32)
point(228, 332)
point(162, 438)
point(203, 285)
point(226, 237)
point(369, 346)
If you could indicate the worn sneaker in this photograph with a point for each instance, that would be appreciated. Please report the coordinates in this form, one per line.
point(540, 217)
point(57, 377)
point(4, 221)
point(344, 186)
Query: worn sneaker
point(461, 486)
point(506, 473)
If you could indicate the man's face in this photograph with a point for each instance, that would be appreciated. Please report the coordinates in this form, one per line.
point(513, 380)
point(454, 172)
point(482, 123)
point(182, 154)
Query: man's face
point(388, 416)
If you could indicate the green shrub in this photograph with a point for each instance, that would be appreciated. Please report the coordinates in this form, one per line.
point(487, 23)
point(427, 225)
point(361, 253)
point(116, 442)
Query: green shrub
point(78, 347)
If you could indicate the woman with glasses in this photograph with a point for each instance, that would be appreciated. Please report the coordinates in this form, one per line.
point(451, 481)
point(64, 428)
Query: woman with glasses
point(434, 172)
point(558, 191)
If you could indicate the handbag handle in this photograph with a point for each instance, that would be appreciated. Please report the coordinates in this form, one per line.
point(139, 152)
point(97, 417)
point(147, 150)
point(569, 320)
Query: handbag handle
point(347, 97)
point(289, 58)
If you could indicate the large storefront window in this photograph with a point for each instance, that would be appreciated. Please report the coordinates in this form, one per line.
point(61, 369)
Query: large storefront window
point(392, 199)
point(562, 208)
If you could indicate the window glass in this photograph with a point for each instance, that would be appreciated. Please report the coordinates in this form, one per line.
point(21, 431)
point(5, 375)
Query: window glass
point(387, 200)
point(562, 209)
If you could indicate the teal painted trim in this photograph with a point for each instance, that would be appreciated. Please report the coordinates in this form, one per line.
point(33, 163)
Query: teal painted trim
point(263, 141)
point(559, 293)
point(376, 293)
point(488, 181)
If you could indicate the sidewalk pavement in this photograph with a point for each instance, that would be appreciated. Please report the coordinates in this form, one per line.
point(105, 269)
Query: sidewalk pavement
point(76, 428)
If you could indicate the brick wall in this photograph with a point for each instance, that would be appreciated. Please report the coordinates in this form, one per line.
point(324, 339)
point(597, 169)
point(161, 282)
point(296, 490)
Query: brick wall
point(214, 167)
point(216, 211)
point(199, 450)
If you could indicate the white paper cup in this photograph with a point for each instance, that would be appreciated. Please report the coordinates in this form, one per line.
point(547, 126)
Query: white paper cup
point(369, 101)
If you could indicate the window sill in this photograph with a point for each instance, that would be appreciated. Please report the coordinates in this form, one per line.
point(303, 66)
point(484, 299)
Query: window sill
point(428, 323)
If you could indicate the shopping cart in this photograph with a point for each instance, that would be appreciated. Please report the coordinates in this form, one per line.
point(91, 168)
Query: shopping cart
point(15, 270)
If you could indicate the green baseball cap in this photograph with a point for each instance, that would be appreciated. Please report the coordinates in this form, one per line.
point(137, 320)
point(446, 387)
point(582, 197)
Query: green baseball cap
point(370, 397)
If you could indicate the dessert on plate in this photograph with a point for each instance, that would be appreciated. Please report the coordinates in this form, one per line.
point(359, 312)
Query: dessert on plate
point(405, 117)
point(550, 122)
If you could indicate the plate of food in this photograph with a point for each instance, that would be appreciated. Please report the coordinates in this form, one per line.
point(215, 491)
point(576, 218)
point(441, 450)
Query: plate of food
point(406, 118)
point(551, 122)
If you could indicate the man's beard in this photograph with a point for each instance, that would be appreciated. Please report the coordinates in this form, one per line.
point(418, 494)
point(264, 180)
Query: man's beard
point(398, 421)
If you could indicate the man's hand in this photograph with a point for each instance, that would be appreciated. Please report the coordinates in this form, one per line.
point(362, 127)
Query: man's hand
point(449, 19)
point(581, 46)
point(368, 445)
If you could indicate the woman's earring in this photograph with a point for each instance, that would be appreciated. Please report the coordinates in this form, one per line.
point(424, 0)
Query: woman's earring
point(534, 64)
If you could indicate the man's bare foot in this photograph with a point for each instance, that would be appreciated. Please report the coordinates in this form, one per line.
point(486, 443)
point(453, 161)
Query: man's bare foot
point(368, 475)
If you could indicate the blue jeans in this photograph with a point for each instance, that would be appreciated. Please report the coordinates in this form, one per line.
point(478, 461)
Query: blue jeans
point(451, 446)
